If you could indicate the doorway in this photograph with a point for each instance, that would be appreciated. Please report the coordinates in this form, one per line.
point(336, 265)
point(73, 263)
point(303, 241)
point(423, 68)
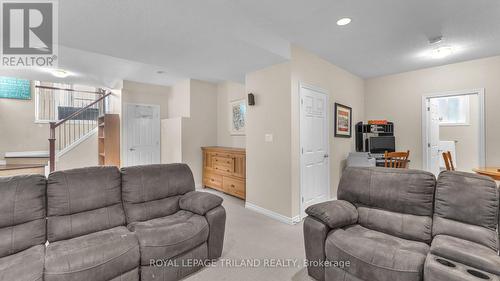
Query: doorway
point(314, 147)
point(453, 121)
point(141, 142)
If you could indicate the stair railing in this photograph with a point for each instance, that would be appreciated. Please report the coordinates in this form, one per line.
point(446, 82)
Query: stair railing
point(76, 125)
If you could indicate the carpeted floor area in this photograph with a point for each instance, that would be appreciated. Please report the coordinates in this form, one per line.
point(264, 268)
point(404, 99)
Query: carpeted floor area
point(252, 238)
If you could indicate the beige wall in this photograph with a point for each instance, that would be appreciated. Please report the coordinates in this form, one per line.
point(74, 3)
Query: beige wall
point(178, 104)
point(273, 169)
point(398, 98)
point(141, 93)
point(268, 163)
point(18, 130)
point(200, 129)
point(467, 137)
point(227, 92)
point(342, 87)
point(82, 155)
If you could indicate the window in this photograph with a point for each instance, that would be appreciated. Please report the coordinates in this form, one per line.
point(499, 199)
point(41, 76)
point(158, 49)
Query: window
point(54, 105)
point(453, 110)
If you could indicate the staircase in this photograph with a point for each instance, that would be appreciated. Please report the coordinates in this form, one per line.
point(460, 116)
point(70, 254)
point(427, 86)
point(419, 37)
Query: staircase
point(72, 114)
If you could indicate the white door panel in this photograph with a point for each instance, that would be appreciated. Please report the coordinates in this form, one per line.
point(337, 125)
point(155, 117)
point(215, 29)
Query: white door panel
point(433, 136)
point(314, 147)
point(142, 134)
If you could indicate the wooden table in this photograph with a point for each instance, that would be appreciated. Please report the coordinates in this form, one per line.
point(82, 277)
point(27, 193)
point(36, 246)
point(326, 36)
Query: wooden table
point(492, 172)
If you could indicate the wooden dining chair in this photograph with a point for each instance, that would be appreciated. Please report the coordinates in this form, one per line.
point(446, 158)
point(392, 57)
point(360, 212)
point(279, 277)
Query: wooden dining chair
point(448, 161)
point(396, 159)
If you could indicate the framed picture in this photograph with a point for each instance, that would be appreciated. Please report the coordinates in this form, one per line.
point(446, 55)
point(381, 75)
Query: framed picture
point(238, 110)
point(13, 88)
point(343, 121)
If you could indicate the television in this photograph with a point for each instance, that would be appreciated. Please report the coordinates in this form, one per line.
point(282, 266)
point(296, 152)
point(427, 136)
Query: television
point(382, 144)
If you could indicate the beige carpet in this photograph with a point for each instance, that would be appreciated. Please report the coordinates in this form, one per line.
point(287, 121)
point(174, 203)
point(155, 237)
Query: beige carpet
point(252, 238)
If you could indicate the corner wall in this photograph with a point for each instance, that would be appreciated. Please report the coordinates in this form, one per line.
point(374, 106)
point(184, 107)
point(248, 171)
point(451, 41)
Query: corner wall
point(268, 163)
point(398, 98)
point(342, 87)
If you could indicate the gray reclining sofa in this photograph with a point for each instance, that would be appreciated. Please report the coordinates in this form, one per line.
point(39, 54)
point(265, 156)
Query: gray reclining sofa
point(103, 224)
point(400, 225)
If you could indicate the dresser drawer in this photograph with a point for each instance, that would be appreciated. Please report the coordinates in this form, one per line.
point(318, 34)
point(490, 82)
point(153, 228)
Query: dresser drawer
point(223, 169)
point(213, 180)
point(234, 187)
point(223, 161)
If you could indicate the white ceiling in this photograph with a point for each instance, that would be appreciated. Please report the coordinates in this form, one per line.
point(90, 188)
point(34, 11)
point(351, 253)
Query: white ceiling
point(224, 39)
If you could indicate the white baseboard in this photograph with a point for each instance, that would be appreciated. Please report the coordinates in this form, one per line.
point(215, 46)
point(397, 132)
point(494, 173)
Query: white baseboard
point(273, 215)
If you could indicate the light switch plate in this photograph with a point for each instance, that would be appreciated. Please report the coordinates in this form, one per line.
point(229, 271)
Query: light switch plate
point(268, 137)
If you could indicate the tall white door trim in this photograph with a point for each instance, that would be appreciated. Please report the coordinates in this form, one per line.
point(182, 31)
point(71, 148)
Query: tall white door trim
point(482, 137)
point(301, 141)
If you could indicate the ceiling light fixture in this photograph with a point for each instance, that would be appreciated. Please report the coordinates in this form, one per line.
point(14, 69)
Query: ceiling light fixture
point(441, 52)
point(343, 21)
point(60, 73)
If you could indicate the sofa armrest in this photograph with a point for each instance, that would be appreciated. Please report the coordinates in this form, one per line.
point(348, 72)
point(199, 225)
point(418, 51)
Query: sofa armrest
point(199, 202)
point(334, 214)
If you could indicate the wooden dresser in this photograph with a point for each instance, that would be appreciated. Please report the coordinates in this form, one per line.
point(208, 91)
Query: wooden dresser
point(224, 169)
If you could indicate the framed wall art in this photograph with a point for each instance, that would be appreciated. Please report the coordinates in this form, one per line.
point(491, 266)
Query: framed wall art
point(343, 121)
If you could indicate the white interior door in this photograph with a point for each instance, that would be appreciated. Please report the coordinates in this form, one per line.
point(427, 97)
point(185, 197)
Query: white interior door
point(315, 176)
point(142, 135)
point(433, 151)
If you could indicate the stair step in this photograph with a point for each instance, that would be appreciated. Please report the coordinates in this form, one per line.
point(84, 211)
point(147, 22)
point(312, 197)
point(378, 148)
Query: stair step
point(21, 169)
point(27, 158)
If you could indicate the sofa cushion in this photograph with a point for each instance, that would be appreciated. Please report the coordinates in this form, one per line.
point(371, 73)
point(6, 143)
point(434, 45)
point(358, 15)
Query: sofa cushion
point(454, 212)
point(153, 191)
point(398, 190)
point(167, 237)
point(99, 256)
point(412, 227)
point(26, 265)
point(22, 213)
point(337, 213)
point(82, 201)
point(466, 252)
point(199, 202)
point(376, 256)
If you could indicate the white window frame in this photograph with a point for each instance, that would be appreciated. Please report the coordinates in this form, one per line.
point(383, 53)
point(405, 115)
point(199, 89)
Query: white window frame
point(467, 113)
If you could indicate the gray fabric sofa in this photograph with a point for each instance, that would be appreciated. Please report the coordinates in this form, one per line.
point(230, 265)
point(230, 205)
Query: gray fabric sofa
point(173, 222)
point(386, 225)
point(92, 236)
point(22, 227)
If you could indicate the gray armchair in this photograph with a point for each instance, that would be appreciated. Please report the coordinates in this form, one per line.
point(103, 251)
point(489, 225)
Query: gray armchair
point(172, 221)
point(465, 244)
point(378, 230)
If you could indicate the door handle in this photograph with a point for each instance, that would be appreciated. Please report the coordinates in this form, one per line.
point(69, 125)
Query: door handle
point(132, 149)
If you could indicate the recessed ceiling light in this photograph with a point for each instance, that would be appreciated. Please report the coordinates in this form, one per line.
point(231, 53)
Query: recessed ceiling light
point(441, 52)
point(59, 73)
point(343, 21)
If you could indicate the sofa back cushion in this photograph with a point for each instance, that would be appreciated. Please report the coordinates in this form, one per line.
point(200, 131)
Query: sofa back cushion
point(82, 201)
point(153, 191)
point(467, 207)
point(22, 213)
point(395, 201)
